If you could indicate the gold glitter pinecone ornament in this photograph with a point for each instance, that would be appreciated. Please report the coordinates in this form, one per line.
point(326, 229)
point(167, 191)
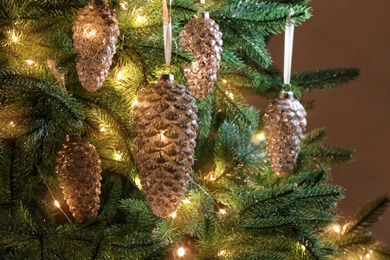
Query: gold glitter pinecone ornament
point(201, 37)
point(78, 171)
point(284, 128)
point(165, 121)
point(95, 33)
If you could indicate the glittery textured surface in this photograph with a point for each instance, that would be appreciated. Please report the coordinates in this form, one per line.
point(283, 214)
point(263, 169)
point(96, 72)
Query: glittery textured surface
point(201, 37)
point(95, 33)
point(285, 123)
point(165, 121)
point(78, 171)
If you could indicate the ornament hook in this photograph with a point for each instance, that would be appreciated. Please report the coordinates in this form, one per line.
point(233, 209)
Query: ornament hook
point(98, 2)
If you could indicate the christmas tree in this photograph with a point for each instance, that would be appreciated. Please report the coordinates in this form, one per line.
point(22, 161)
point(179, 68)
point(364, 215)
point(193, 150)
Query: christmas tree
point(220, 199)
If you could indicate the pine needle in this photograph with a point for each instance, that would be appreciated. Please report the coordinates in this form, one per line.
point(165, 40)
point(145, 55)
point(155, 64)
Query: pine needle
point(367, 215)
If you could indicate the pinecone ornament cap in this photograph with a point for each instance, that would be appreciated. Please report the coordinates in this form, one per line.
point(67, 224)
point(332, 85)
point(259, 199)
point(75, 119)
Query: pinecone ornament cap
point(165, 121)
point(285, 123)
point(201, 37)
point(95, 33)
point(79, 175)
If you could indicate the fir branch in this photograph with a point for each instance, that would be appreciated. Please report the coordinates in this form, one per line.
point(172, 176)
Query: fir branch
point(112, 114)
point(227, 143)
point(358, 240)
point(314, 246)
point(368, 215)
point(311, 178)
point(236, 111)
point(314, 137)
point(269, 225)
point(247, 245)
point(11, 144)
point(254, 254)
point(296, 2)
point(309, 105)
point(184, 9)
point(111, 195)
point(247, 43)
point(381, 251)
point(98, 245)
point(206, 111)
point(319, 197)
point(329, 154)
point(230, 57)
point(254, 81)
point(20, 80)
point(138, 214)
point(265, 16)
point(278, 195)
point(321, 79)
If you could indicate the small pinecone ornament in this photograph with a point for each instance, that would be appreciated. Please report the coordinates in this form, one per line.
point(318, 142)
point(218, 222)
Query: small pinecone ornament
point(201, 37)
point(165, 121)
point(284, 128)
point(78, 171)
point(95, 33)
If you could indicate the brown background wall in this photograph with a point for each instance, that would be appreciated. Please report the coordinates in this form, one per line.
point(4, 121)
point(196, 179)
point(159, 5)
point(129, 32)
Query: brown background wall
point(348, 33)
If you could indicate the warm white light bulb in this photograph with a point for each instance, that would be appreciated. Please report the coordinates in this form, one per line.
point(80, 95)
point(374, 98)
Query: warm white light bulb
point(119, 76)
point(260, 137)
point(123, 5)
point(224, 81)
point(15, 38)
point(186, 201)
point(102, 129)
point(12, 123)
point(222, 211)
point(230, 94)
point(212, 178)
point(30, 62)
point(181, 252)
point(336, 228)
point(140, 18)
point(303, 247)
point(135, 102)
point(56, 203)
point(221, 253)
point(173, 215)
point(118, 156)
point(368, 256)
point(138, 183)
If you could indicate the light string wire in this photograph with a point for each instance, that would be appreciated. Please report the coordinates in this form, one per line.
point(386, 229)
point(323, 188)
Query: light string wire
point(288, 49)
point(51, 194)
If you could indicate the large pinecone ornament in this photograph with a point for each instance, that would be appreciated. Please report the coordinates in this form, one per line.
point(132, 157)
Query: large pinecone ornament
point(201, 37)
point(95, 33)
point(78, 171)
point(165, 121)
point(284, 128)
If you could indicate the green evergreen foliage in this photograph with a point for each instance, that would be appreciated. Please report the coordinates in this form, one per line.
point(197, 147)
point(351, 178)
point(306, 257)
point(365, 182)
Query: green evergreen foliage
point(235, 206)
point(322, 79)
point(354, 238)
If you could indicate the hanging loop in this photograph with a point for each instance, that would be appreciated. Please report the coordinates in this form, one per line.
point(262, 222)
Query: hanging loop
point(167, 27)
point(288, 48)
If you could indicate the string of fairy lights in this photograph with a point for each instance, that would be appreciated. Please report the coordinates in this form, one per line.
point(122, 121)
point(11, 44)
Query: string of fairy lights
point(179, 251)
point(120, 75)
